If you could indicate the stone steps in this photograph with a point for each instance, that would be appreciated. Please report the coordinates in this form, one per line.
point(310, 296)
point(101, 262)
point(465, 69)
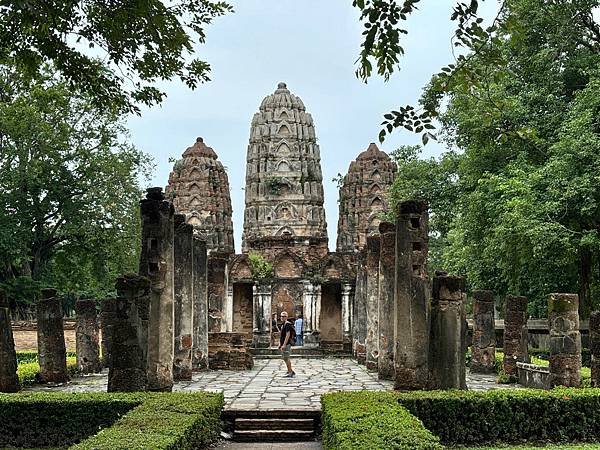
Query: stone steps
point(299, 352)
point(274, 425)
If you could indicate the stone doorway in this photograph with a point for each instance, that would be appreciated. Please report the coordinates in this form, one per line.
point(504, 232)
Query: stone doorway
point(331, 316)
point(242, 308)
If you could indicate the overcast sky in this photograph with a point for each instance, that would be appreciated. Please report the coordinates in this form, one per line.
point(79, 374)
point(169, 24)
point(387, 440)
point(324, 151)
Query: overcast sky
point(312, 45)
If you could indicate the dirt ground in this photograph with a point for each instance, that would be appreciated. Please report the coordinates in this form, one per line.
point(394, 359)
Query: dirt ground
point(27, 340)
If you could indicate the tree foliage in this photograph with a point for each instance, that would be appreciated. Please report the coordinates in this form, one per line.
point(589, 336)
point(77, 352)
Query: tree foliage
point(114, 50)
point(69, 190)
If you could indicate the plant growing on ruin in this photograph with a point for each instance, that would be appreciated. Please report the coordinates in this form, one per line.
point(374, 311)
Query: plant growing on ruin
point(274, 185)
point(259, 266)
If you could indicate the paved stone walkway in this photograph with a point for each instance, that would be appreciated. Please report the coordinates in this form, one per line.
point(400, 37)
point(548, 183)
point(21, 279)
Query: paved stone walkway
point(264, 387)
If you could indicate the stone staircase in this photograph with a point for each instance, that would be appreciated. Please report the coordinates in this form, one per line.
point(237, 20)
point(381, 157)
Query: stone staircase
point(273, 425)
point(300, 352)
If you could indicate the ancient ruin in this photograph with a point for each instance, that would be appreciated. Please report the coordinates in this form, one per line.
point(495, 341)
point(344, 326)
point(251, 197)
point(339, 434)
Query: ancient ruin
point(387, 281)
point(87, 337)
point(565, 340)
point(52, 354)
point(595, 347)
point(9, 381)
point(107, 311)
point(200, 306)
point(483, 353)
point(515, 334)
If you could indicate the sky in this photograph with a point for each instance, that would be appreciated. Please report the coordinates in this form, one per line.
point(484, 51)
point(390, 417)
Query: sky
point(311, 45)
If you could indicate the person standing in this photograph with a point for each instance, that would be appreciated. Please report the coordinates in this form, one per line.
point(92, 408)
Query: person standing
point(286, 340)
point(298, 326)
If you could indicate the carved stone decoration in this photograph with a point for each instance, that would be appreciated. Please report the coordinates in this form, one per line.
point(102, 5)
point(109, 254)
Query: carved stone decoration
point(284, 183)
point(199, 188)
point(363, 197)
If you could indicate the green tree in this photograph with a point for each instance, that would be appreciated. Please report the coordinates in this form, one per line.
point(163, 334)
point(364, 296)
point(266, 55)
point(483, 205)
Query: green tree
point(69, 190)
point(116, 51)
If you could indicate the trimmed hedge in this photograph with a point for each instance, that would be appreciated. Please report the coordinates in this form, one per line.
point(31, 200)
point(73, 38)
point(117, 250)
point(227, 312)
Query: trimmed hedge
point(371, 420)
point(122, 421)
point(28, 371)
point(559, 415)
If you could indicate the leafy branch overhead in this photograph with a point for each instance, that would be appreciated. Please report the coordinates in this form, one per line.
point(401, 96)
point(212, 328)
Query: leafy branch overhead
point(117, 50)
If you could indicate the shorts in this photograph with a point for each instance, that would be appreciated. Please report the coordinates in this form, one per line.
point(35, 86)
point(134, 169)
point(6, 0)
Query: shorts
point(286, 352)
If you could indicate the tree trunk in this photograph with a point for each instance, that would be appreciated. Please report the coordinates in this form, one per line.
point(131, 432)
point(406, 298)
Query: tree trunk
point(585, 281)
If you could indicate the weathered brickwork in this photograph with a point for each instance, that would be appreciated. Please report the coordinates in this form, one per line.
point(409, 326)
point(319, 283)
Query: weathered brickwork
point(87, 337)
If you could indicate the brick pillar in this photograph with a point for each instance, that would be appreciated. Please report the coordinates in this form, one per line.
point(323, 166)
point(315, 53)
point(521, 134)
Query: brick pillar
point(565, 340)
point(217, 266)
point(156, 263)
point(359, 310)
point(448, 338)
point(129, 357)
point(372, 342)
point(261, 317)
point(347, 299)
point(387, 280)
point(200, 298)
point(595, 347)
point(483, 349)
point(107, 311)
point(87, 337)
point(52, 353)
point(515, 334)
point(184, 306)
point(9, 381)
point(412, 294)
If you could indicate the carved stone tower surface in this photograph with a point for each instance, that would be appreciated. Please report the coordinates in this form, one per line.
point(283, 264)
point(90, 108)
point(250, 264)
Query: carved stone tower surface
point(284, 184)
point(199, 188)
point(363, 197)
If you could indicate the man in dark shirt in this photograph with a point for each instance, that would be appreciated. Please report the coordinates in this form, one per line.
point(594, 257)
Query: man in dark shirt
point(285, 343)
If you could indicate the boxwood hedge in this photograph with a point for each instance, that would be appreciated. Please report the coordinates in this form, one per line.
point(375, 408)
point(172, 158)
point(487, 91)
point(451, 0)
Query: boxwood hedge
point(114, 421)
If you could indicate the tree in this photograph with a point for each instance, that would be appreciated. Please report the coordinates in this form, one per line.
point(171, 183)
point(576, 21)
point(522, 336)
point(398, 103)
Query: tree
point(115, 50)
point(69, 190)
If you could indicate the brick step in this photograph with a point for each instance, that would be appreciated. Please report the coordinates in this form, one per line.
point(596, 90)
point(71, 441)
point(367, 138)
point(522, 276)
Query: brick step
point(273, 435)
point(274, 424)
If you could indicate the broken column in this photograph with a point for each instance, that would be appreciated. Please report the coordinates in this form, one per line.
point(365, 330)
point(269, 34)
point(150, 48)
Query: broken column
point(359, 310)
point(217, 267)
point(448, 338)
point(129, 324)
point(200, 308)
point(107, 311)
point(565, 340)
point(52, 353)
point(183, 290)
point(483, 348)
point(595, 347)
point(372, 342)
point(412, 293)
point(87, 337)
point(515, 334)
point(9, 381)
point(387, 279)
point(156, 263)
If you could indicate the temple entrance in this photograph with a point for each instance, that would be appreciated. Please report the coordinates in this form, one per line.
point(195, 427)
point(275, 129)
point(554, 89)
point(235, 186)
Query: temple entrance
point(242, 308)
point(331, 316)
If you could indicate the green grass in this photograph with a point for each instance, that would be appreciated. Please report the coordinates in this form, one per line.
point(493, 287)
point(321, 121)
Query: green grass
point(28, 371)
point(532, 447)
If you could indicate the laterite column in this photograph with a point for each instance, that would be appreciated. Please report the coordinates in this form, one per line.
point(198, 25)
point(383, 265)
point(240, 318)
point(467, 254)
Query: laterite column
point(387, 279)
point(565, 340)
point(52, 353)
point(515, 334)
point(9, 381)
point(372, 343)
point(87, 337)
point(200, 298)
point(483, 348)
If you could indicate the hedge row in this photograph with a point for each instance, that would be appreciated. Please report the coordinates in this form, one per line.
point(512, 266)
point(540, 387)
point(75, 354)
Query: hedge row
point(121, 421)
point(371, 420)
point(28, 371)
point(559, 415)
point(28, 356)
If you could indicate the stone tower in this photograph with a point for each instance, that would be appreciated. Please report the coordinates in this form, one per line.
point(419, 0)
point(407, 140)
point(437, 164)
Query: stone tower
point(199, 188)
point(363, 198)
point(284, 184)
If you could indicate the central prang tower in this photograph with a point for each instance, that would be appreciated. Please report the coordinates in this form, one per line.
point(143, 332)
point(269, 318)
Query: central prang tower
point(284, 183)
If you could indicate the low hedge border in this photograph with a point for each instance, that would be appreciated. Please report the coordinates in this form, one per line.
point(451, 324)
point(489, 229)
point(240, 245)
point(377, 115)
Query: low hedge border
point(28, 371)
point(372, 420)
point(121, 421)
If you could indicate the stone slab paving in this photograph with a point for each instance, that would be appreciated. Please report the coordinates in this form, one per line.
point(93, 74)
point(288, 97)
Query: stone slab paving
point(264, 387)
point(314, 445)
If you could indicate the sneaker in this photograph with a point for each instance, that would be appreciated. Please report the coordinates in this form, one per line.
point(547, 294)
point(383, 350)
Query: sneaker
point(290, 375)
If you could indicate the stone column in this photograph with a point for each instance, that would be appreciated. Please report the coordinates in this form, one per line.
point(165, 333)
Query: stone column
point(412, 294)
point(107, 312)
point(347, 316)
point(87, 337)
point(372, 342)
point(184, 301)
point(52, 353)
point(565, 340)
point(595, 347)
point(9, 381)
point(359, 310)
point(129, 358)
point(307, 304)
point(200, 298)
point(217, 266)
point(261, 320)
point(483, 349)
point(448, 338)
point(515, 334)
point(387, 280)
point(156, 263)
point(229, 306)
point(315, 337)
